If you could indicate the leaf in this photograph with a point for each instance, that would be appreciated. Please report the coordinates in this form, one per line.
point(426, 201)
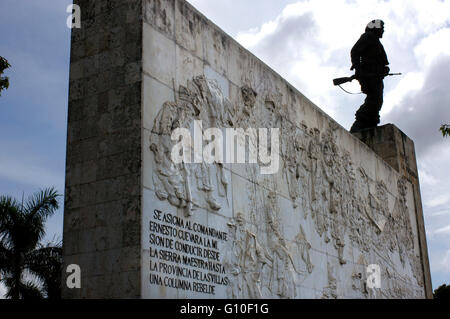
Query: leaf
point(445, 130)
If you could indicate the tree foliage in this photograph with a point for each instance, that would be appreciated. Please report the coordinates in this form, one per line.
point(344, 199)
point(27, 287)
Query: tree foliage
point(4, 81)
point(442, 292)
point(22, 256)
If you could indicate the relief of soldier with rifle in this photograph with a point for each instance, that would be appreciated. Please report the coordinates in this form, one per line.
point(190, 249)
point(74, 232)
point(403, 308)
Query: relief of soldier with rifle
point(370, 62)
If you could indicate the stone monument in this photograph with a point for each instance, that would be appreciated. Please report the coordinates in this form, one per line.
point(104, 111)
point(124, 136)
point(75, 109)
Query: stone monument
point(333, 214)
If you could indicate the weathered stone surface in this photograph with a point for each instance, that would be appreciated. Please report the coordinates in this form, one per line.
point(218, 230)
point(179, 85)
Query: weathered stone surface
point(102, 204)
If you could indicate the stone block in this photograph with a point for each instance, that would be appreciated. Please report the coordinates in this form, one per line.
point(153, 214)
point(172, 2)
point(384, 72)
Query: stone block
point(155, 94)
point(159, 56)
point(189, 28)
point(160, 15)
point(188, 66)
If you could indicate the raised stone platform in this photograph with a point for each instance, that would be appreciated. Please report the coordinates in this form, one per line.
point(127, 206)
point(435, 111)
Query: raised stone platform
point(143, 226)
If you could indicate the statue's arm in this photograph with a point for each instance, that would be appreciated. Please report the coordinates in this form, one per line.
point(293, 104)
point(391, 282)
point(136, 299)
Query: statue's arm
point(358, 49)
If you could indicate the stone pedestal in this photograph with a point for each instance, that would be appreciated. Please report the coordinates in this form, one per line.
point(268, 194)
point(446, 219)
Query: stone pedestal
point(397, 149)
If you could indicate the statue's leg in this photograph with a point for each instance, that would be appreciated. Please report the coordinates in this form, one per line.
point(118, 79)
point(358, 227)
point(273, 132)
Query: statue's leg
point(368, 115)
point(380, 88)
point(374, 101)
point(360, 115)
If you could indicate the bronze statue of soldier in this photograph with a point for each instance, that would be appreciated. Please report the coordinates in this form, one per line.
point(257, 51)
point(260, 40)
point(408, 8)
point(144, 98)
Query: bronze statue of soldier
point(369, 60)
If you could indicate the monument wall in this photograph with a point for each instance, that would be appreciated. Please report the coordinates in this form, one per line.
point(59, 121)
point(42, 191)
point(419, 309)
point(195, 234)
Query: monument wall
point(102, 209)
point(309, 229)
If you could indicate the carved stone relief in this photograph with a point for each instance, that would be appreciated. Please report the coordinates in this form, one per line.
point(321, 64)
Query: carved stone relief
point(303, 247)
point(190, 185)
point(359, 278)
point(322, 183)
point(245, 260)
point(330, 291)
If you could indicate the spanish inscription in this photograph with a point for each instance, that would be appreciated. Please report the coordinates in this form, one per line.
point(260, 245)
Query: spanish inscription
point(185, 255)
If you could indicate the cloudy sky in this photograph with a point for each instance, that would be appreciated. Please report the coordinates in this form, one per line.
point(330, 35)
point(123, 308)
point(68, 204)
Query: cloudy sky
point(307, 42)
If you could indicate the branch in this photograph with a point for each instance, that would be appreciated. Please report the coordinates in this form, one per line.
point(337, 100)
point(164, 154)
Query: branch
point(445, 129)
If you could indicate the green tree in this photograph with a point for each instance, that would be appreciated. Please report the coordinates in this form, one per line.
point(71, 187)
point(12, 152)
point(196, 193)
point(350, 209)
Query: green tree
point(4, 81)
point(46, 264)
point(22, 257)
point(443, 292)
point(445, 129)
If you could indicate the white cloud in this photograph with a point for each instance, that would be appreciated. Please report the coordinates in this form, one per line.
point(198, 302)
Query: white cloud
point(444, 264)
point(427, 178)
point(26, 172)
point(441, 213)
point(420, 113)
point(433, 46)
point(443, 230)
point(435, 185)
point(439, 200)
point(408, 83)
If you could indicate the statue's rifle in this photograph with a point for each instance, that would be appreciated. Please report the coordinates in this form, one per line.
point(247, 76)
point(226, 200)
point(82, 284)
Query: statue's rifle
point(340, 81)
